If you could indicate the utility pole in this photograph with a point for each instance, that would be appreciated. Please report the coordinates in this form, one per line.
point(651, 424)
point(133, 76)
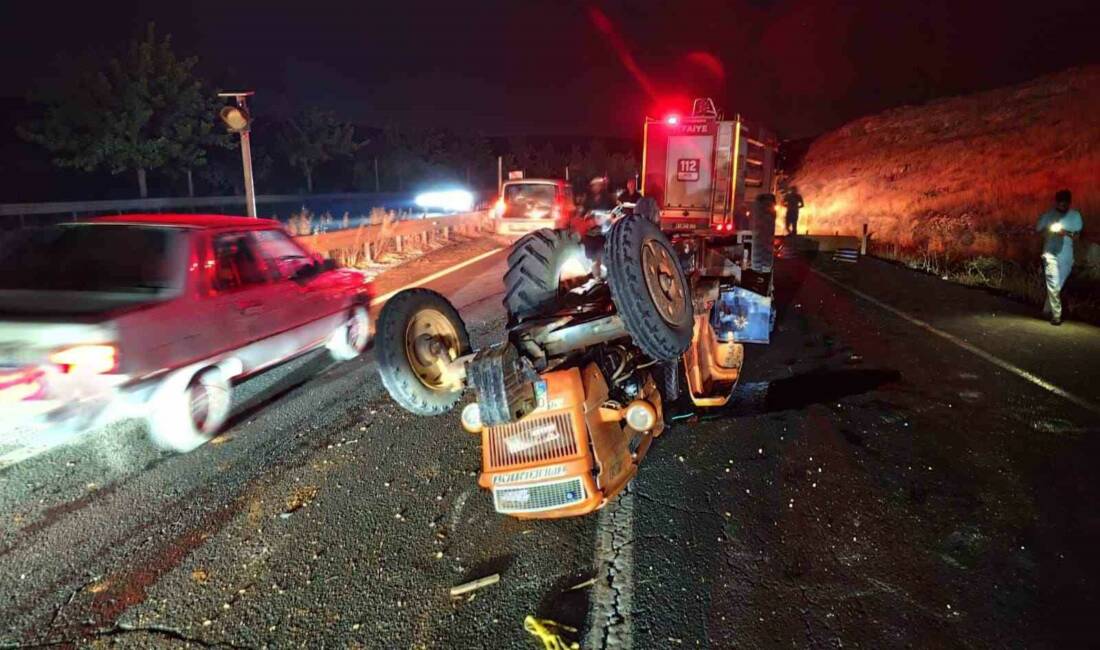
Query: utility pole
point(377, 187)
point(500, 174)
point(237, 120)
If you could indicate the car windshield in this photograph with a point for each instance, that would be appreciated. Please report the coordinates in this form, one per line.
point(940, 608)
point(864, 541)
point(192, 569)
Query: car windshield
point(529, 200)
point(541, 194)
point(93, 257)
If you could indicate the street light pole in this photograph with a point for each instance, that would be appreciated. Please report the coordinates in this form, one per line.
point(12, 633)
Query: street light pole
point(240, 121)
point(246, 161)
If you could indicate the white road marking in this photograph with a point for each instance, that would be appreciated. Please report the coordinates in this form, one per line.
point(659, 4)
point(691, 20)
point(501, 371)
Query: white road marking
point(997, 361)
point(457, 508)
point(435, 276)
point(26, 442)
point(610, 622)
point(19, 455)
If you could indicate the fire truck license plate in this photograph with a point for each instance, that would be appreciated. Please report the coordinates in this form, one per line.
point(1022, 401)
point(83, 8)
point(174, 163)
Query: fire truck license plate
point(687, 169)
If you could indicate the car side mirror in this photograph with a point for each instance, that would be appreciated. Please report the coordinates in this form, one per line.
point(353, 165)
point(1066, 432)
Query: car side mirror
point(329, 264)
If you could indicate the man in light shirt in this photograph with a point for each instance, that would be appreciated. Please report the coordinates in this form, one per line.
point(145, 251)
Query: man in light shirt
point(1059, 228)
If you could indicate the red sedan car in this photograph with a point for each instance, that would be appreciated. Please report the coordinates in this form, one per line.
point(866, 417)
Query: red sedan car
point(157, 316)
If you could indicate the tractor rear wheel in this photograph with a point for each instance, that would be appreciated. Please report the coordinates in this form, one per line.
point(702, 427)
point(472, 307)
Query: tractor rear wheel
point(537, 265)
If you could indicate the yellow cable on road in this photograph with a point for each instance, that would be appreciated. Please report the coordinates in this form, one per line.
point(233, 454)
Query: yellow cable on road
point(542, 628)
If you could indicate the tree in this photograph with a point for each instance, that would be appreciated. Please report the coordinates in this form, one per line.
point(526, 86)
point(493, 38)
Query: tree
point(222, 172)
point(404, 155)
point(550, 163)
point(195, 134)
point(595, 163)
point(474, 160)
point(315, 136)
point(141, 111)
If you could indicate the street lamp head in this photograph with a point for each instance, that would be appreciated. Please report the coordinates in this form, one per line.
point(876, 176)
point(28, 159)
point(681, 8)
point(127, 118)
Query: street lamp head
point(235, 118)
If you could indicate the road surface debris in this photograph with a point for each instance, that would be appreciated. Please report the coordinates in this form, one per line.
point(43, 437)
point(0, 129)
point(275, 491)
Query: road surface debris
point(474, 585)
point(544, 630)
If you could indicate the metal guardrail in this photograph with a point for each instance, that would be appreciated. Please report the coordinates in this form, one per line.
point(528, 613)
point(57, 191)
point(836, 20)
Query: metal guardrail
point(157, 204)
point(365, 242)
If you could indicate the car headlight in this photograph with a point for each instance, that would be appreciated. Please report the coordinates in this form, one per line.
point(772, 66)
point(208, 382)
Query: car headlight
point(97, 359)
point(451, 200)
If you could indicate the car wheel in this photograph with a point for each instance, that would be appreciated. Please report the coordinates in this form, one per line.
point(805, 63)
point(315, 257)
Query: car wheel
point(419, 333)
point(649, 288)
point(184, 418)
point(351, 338)
point(537, 265)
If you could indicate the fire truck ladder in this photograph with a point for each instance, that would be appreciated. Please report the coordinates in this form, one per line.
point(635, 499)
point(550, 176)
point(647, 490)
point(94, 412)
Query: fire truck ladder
point(724, 152)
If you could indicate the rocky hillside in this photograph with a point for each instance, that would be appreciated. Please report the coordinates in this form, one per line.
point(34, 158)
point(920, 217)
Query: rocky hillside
point(961, 177)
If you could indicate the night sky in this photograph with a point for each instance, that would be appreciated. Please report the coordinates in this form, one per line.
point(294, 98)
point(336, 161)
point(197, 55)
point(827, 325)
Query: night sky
point(536, 68)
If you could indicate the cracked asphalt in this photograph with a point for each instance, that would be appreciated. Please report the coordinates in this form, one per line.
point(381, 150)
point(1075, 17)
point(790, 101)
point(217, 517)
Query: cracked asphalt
point(871, 484)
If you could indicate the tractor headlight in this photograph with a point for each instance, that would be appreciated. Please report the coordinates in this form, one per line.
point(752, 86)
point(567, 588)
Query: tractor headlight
point(471, 418)
point(640, 415)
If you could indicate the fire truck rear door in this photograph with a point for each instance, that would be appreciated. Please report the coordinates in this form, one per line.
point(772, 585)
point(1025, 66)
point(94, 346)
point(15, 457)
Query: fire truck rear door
point(688, 172)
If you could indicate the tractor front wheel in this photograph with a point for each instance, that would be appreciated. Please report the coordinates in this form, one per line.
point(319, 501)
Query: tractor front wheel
point(649, 288)
point(419, 334)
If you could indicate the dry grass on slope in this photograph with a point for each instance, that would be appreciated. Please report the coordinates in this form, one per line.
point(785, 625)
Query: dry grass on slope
point(954, 186)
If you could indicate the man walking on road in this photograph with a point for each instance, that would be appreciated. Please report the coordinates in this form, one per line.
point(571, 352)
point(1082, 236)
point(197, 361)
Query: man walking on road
point(793, 200)
point(1059, 227)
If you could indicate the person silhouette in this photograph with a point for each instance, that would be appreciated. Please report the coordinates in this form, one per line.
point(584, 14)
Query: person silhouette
point(793, 200)
point(1059, 227)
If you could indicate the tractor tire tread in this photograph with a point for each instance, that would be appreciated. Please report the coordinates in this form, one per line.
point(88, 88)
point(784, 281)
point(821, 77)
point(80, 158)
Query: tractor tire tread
point(531, 281)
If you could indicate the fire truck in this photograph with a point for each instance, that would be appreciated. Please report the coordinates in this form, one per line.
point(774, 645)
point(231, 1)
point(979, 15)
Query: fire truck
point(643, 312)
point(705, 171)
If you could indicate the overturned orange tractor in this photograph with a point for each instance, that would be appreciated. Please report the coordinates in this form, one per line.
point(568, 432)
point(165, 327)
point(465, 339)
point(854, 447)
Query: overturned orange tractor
point(609, 330)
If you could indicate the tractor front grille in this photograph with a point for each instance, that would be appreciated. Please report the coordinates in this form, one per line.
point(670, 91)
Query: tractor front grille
point(531, 440)
point(536, 498)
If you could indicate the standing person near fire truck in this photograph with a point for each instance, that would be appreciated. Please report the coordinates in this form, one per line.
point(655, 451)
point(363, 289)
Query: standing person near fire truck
point(631, 193)
point(598, 198)
point(1059, 226)
point(793, 200)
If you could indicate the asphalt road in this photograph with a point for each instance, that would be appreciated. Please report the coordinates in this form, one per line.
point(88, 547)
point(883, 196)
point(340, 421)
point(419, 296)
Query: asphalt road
point(872, 484)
